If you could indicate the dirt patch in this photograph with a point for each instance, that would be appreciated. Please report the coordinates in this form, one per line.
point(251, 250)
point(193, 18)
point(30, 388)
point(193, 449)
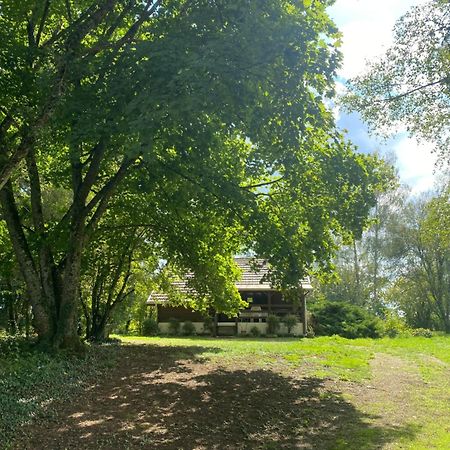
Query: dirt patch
point(174, 398)
point(390, 392)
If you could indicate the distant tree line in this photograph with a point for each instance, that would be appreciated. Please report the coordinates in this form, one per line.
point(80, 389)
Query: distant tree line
point(401, 264)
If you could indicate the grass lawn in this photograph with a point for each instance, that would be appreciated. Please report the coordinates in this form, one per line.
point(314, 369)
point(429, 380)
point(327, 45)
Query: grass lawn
point(206, 393)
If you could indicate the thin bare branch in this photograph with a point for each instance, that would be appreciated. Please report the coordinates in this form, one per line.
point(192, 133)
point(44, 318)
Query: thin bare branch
point(394, 98)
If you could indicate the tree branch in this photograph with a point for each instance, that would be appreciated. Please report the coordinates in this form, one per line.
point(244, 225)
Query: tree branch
point(411, 91)
point(14, 160)
point(91, 175)
point(84, 24)
point(267, 183)
point(41, 24)
point(35, 193)
point(103, 196)
point(69, 11)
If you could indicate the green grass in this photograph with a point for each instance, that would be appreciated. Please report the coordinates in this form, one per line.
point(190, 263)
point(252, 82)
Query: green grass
point(427, 425)
point(437, 346)
point(333, 352)
point(32, 384)
point(324, 356)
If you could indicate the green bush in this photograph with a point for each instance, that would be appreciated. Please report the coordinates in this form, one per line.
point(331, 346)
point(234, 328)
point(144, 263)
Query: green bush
point(188, 328)
point(174, 326)
point(423, 332)
point(255, 332)
point(208, 325)
point(150, 327)
point(273, 324)
point(344, 319)
point(394, 325)
point(290, 320)
point(12, 346)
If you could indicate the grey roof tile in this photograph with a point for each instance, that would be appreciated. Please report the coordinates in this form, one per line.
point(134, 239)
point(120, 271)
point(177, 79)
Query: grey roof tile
point(253, 272)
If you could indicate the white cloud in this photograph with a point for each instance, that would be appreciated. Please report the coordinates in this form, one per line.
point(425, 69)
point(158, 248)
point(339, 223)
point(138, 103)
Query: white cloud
point(367, 29)
point(335, 108)
point(416, 163)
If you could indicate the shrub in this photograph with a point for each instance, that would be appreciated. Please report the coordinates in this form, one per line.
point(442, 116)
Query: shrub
point(13, 345)
point(174, 326)
point(394, 325)
point(290, 320)
point(208, 325)
point(150, 327)
point(255, 332)
point(188, 328)
point(423, 332)
point(344, 319)
point(273, 324)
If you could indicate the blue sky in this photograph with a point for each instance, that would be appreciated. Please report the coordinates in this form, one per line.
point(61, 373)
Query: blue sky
point(367, 31)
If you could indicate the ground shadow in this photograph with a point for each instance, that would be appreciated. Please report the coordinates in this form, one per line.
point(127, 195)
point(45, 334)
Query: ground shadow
point(172, 398)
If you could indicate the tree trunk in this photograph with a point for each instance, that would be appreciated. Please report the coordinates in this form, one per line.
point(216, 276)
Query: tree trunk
point(98, 332)
point(375, 257)
point(12, 316)
point(53, 289)
point(27, 320)
point(66, 336)
point(216, 324)
point(359, 299)
point(41, 307)
point(55, 308)
point(446, 322)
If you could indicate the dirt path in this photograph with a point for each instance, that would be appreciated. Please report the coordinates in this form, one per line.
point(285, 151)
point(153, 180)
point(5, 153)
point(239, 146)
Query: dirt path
point(172, 398)
point(390, 392)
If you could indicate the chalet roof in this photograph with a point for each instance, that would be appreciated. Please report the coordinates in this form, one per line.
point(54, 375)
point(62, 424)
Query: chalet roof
point(253, 272)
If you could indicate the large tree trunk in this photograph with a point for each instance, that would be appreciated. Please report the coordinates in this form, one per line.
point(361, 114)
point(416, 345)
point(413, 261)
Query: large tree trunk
point(54, 308)
point(53, 289)
point(67, 325)
point(41, 306)
point(98, 330)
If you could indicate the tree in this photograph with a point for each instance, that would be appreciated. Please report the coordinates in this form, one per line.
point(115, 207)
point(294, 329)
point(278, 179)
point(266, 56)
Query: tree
point(410, 85)
point(362, 272)
point(375, 242)
point(206, 117)
point(420, 251)
point(14, 309)
point(349, 282)
point(412, 299)
point(107, 279)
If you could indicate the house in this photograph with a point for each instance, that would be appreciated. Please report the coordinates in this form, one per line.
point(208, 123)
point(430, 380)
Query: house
point(263, 301)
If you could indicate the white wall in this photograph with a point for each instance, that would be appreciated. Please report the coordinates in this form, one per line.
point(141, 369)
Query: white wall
point(243, 328)
point(164, 327)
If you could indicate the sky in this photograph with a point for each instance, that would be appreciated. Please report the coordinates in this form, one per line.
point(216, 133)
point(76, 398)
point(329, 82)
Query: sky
point(367, 32)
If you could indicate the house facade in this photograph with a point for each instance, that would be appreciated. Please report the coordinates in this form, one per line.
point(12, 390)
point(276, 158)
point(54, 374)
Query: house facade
point(262, 298)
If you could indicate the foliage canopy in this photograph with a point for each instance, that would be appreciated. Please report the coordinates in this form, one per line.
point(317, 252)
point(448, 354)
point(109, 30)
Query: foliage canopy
point(201, 123)
point(410, 84)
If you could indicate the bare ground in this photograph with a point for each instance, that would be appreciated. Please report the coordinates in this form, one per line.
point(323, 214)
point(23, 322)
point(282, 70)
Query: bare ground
point(172, 398)
point(390, 391)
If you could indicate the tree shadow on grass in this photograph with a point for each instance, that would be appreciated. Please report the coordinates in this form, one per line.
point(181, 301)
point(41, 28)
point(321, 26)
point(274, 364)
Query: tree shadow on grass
point(173, 398)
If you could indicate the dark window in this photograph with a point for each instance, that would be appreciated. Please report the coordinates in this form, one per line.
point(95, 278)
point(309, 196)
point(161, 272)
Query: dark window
point(255, 298)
